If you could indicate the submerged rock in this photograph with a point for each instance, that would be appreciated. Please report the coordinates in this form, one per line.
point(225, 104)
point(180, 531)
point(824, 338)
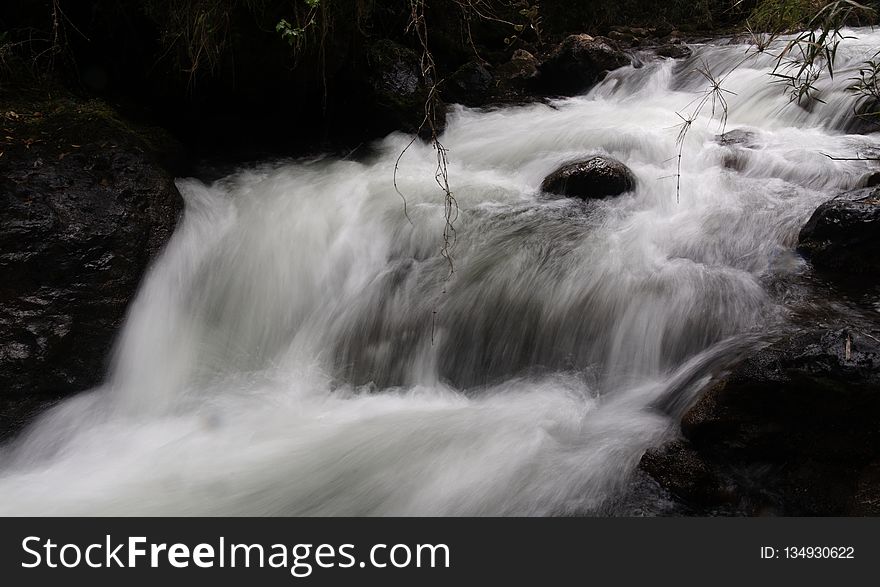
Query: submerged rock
point(578, 63)
point(739, 142)
point(596, 177)
point(84, 207)
point(739, 137)
point(791, 429)
point(843, 235)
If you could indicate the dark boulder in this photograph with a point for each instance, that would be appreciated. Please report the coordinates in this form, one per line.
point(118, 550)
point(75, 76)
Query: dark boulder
point(843, 235)
point(738, 143)
point(516, 76)
point(84, 207)
point(632, 36)
point(625, 38)
point(596, 177)
point(792, 429)
point(871, 180)
point(397, 91)
point(674, 51)
point(578, 63)
point(471, 84)
point(679, 468)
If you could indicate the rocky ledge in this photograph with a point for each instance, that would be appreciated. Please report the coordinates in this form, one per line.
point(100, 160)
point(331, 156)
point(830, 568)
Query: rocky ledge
point(86, 204)
point(843, 235)
point(791, 429)
point(578, 63)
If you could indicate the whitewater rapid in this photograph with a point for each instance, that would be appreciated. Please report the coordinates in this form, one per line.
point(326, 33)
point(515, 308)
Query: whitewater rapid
point(300, 347)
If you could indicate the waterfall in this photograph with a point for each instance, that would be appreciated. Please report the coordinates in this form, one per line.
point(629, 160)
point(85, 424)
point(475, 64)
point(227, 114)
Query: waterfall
point(301, 348)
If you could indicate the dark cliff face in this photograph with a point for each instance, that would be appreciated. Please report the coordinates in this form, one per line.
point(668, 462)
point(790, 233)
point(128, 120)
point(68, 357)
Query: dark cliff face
point(84, 207)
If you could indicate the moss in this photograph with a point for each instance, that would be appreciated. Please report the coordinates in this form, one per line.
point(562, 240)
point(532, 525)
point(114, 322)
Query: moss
point(51, 122)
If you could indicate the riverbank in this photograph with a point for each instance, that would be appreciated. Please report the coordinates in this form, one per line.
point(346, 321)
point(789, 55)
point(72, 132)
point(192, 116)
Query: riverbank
point(228, 85)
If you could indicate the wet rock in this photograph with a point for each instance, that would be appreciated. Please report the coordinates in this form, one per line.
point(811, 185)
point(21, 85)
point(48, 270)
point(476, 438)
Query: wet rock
point(739, 137)
point(471, 85)
point(631, 31)
point(680, 469)
point(739, 143)
point(871, 180)
point(84, 207)
point(578, 63)
point(596, 177)
point(791, 429)
point(625, 38)
point(674, 51)
point(516, 76)
point(397, 91)
point(843, 235)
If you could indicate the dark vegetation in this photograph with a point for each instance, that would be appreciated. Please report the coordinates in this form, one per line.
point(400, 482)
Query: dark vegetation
point(249, 76)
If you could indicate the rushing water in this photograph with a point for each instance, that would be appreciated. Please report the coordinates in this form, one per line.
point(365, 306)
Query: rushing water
point(300, 347)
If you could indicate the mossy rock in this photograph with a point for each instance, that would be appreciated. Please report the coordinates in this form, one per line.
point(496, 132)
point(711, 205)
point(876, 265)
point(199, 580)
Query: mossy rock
point(85, 205)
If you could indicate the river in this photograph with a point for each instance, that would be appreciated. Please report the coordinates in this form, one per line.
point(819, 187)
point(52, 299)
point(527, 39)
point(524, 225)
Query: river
point(301, 348)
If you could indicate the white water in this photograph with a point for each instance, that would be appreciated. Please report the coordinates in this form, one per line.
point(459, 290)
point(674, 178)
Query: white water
point(279, 357)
